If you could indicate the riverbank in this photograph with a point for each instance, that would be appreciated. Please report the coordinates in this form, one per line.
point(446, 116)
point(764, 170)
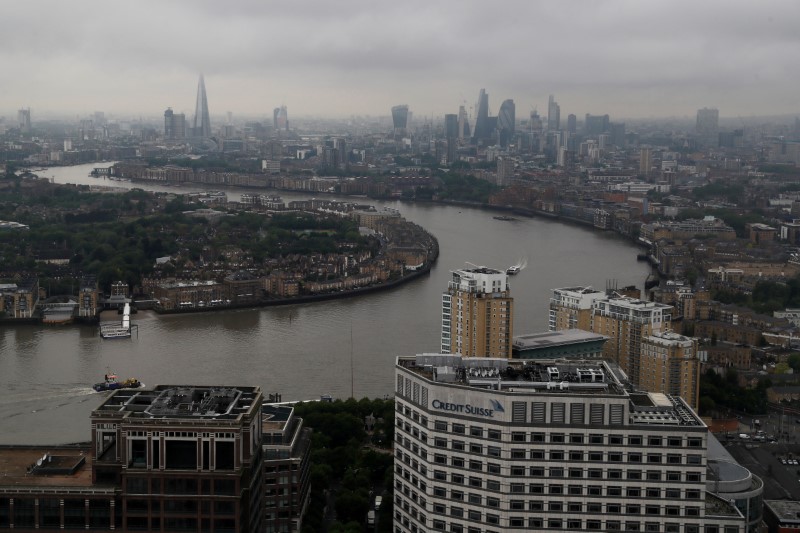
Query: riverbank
point(411, 275)
point(311, 298)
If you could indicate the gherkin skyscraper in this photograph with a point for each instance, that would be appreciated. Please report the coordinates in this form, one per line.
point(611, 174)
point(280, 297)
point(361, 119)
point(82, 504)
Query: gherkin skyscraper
point(202, 122)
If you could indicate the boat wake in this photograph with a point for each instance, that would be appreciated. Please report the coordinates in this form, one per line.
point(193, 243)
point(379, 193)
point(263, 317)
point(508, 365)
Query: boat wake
point(23, 402)
point(518, 267)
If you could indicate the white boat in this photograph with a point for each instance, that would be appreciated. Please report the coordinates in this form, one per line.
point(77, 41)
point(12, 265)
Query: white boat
point(513, 270)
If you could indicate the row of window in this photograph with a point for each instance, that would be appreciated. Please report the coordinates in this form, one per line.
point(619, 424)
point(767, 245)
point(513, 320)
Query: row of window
point(536, 524)
point(476, 431)
point(477, 448)
point(561, 472)
point(571, 438)
point(557, 489)
point(572, 455)
point(674, 476)
point(571, 507)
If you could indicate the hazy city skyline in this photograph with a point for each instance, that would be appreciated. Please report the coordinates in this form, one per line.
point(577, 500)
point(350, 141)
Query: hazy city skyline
point(624, 58)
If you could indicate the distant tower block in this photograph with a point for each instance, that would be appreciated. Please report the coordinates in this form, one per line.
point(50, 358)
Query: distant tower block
point(400, 119)
point(24, 119)
point(506, 121)
point(280, 118)
point(202, 121)
point(482, 130)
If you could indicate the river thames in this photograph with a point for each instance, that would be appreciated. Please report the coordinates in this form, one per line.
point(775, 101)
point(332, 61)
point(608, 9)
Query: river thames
point(300, 351)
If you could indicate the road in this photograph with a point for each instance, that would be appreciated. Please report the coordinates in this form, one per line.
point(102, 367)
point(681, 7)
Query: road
point(764, 459)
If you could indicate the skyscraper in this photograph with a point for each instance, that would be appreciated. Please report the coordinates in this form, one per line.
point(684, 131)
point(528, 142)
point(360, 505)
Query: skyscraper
point(506, 121)
point(400, 119)
point(482, 130)
point(596, 124)
point(553, 114)
point(463, 123)
point(645, 161)
point(535, 121)
point(618, 134)
point(478, 314)
point(174, 125)
point(572, 123)
point(24, 120)
point(451, 126)
point(504, 446)
point(202, 121)
point(708, 127)
point(280, 118)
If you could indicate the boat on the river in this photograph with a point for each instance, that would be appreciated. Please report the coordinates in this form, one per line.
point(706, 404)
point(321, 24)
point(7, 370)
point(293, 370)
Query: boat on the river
point(513, 270)
point(504, 217)
point(112, 382)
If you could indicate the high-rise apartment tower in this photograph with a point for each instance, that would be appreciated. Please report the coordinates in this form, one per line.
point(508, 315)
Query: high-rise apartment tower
point(478, 314)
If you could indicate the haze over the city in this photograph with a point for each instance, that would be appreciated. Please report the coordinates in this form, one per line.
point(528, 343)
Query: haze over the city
point(625, 58)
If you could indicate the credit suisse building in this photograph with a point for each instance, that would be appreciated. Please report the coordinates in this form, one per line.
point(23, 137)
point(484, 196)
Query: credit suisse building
point(490, 445)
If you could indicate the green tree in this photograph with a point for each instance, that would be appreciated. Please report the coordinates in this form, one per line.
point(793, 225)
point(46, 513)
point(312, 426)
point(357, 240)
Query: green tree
point(794, 362)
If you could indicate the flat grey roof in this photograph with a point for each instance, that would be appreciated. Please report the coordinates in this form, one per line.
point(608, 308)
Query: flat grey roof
point(785, 510)
point(195, 402)
point(555, 338)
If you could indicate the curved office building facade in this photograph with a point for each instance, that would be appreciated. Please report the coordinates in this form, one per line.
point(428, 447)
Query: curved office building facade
point(488, 445)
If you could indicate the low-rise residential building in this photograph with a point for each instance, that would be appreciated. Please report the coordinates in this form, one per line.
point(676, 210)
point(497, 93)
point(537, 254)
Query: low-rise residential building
point(687, 229)
point(19, 299)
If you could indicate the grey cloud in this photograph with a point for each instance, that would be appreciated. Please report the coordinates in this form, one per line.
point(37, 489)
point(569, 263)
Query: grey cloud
point(354, 55)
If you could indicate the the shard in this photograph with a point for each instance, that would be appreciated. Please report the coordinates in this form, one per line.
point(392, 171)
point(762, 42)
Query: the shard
point(202, 122)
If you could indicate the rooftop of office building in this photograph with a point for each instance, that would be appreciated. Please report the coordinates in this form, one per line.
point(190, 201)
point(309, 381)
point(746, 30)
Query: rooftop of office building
point(193, 402)
point(478, 270)
point(45, 466)
point(787, 511)
point(275, 417)
point(555, 338)
point(580, 290)
point(572, 377)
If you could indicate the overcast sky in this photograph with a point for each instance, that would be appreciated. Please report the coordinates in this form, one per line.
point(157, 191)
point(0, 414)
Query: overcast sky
point(629, 58)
